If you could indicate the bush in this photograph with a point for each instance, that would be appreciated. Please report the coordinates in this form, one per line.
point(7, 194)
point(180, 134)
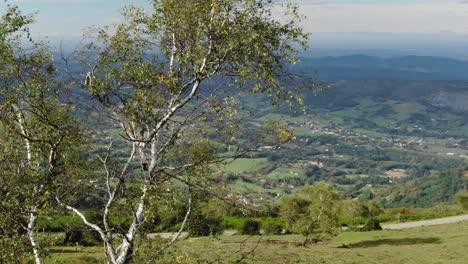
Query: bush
point(231, 222)
point(174, 228)
point(57, 223)
point(272, 226)
point(250, 227)
point(201, 226)
point(274, 156)
point(462, 200)
point(319, 201)
point(372, 224)
point(351, 221)
point(385, 218)
point(74, 234)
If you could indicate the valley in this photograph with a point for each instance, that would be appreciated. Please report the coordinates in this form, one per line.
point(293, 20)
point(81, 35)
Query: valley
point(369, 139)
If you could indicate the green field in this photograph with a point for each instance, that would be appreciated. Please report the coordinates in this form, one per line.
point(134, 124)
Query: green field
point(283, 173)
point(245, 166)
point(303, 131)
point(404, 110)
point(434, 244)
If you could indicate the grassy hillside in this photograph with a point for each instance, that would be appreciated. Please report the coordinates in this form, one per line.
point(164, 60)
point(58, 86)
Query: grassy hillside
point(433, 244)
point(365, 131)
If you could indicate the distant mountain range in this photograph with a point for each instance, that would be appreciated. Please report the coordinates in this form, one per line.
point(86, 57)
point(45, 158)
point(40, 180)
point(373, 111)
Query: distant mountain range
point(355, 67)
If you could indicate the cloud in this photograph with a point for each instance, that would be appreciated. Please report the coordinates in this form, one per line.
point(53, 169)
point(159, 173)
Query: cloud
point(394, 17)
point(53, 1)
point(313, 2)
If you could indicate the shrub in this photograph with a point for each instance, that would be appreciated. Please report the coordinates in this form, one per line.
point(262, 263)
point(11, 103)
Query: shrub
point(74, 234)
point(250, 227)
point(351, 221)
point(201, 226)
point(462, 200)
point(385, 218)
point(313, 213)
point(274, 156)
point(231, 222)
point(372, 224)
point(174, 228)
point(272, 226)
point(57, 223)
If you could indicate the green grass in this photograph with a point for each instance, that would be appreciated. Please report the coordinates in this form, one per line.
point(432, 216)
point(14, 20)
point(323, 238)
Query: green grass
point(247, 187)
point(284, 173)
point(434, 244)
point(303, 131)
point(381, 121)
point(437, 244)
point(243, 187)
point(76, 255)
point(245, 166)
point(405, 110)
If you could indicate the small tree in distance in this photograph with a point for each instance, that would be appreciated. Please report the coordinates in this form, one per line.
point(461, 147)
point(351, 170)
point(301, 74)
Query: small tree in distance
point(462, 200)
point(313, 212)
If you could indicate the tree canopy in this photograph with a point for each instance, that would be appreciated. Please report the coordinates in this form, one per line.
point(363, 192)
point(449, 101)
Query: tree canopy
point(312, 213)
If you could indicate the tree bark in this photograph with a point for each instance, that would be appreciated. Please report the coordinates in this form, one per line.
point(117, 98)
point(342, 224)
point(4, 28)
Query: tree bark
point(32, 235)
point(126, 248)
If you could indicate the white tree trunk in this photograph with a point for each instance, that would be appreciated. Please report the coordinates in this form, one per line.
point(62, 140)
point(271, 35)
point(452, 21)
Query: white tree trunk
point(126, 248)
point(32, 235)
point(32, 225)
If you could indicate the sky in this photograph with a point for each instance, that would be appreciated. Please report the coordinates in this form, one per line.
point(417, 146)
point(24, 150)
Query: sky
point(358, 22)
point(68, 19)
point(386, 16)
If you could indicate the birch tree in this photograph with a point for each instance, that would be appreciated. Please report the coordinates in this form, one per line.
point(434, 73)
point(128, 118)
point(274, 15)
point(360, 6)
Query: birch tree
point(167, 78)
point(38, 133)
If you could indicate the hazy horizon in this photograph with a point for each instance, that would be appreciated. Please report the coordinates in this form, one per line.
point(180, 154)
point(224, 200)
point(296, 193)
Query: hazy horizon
point(338, 27)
